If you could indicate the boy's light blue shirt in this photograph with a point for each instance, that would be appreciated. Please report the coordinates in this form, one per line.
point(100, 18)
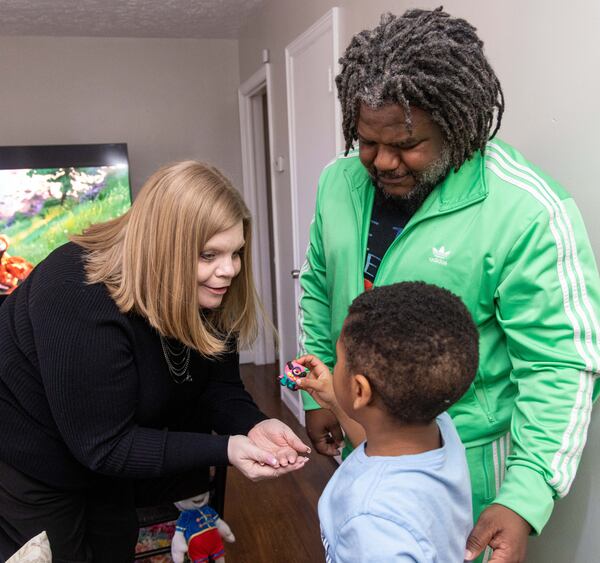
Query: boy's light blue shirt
point(409, 508)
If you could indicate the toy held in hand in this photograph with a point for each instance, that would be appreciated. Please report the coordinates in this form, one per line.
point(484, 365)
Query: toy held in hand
point(198, 532)
point(292, 373)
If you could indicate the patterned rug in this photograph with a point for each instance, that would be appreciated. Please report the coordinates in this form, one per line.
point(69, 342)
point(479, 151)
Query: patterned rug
point(153, 537)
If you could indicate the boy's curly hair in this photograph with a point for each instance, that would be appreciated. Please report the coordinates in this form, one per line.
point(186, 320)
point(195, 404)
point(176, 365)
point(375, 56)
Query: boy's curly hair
point(416, 343)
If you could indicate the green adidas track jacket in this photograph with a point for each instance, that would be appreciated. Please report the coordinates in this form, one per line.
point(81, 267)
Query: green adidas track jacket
point(511, 243)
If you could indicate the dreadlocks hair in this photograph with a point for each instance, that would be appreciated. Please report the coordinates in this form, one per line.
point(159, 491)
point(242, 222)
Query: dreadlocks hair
point(417, 345)
point(430, 60)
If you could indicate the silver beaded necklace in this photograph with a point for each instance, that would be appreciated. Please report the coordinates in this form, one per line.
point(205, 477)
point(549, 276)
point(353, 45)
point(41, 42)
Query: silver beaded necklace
point(178, 360)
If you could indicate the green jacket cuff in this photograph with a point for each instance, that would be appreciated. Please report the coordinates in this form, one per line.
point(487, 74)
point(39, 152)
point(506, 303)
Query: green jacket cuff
point(308, 402)
point(526, 492)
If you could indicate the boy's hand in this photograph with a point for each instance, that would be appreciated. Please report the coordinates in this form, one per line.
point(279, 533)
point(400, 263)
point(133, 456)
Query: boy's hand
point(319, 383)
point(324, 426)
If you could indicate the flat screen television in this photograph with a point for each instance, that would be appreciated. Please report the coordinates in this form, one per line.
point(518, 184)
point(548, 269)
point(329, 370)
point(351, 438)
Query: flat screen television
point(50, 192)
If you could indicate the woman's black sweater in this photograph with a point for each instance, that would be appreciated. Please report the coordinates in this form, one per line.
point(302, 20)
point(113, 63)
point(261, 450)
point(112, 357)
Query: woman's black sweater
point(85, 388)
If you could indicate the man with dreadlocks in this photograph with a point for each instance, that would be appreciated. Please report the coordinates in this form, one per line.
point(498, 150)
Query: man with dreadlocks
point(430, 196)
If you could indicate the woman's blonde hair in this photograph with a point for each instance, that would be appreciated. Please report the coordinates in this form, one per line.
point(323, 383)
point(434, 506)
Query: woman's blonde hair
point(148, 257)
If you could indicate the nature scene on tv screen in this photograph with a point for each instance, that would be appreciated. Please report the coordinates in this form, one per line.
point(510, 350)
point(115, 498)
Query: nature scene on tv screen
point(41, 207)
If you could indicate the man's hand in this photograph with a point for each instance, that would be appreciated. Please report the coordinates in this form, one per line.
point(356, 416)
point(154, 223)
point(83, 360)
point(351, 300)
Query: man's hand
point(504, 531)
point(278, 438)
point(324, 431)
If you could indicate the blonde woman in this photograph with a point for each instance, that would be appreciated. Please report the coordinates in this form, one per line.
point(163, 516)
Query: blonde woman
point(118, 359)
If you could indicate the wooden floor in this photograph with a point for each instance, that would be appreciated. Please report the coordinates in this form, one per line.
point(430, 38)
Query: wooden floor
point(276, 521)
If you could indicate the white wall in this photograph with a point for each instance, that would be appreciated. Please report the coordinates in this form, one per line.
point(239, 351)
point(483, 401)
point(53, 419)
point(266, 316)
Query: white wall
point(168, 99)
point(273, 28)
point(547, 55)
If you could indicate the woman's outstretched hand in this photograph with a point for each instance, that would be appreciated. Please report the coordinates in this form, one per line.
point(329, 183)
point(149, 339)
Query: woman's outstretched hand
point(256, 463)
point(278, 439)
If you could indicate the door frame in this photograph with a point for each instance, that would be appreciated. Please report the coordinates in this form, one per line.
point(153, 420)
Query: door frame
point(325, 24)
point(329, 21)
point(263, 350)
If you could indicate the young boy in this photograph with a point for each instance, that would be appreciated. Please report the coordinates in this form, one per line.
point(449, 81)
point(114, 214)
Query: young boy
point(406, 353)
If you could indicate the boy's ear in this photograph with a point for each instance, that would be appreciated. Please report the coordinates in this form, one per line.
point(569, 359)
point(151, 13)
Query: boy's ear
point(362, 392)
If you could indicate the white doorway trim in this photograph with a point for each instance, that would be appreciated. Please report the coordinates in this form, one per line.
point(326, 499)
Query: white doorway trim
point(254, 176)
point(325, 31)
point(330, 21)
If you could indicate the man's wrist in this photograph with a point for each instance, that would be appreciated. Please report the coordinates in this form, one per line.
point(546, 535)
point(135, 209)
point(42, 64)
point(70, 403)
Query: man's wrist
point(526, 492)
point(517, 515)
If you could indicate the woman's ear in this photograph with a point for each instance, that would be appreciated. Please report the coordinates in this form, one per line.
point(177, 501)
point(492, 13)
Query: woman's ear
point(362, 391)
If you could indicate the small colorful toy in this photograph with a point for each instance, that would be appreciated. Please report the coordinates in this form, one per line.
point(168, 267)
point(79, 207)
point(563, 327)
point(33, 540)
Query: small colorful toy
point(292, 373)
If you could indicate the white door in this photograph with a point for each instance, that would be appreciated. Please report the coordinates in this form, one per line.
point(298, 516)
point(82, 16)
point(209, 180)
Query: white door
point(314, 131)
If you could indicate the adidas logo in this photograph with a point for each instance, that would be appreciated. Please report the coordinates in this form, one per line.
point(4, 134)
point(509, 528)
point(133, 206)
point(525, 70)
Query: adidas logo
point(440, 255)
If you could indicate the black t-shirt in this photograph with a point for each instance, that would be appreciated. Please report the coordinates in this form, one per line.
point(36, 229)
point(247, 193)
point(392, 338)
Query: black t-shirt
point(387, 222)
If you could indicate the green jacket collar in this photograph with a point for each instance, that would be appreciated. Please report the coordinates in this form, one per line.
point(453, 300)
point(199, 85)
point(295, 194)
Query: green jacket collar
point(459, 189)
point(464, 187)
